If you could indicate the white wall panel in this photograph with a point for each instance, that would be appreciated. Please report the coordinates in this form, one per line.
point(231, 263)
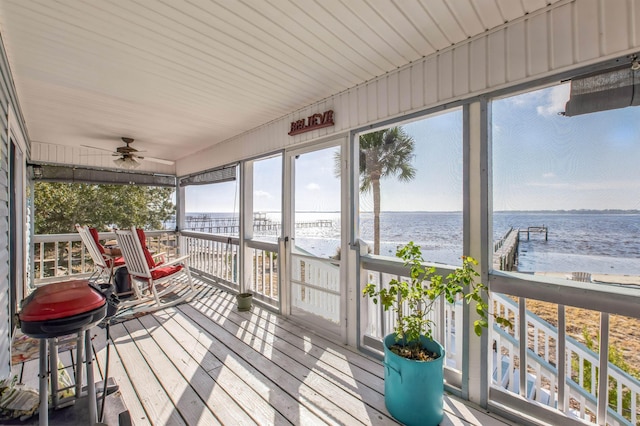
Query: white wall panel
point(353, 107)
point(372, 102)
point(362, 105)
point(496, 53)
point(479, 67)
point(634, 26)
point(417, 85)
point(342, 104)
point(586, 25)
point(382, 97)
point(562, 37)
point(537, 38)
point(615, 27)
point(460, 70)
point(431, 80)
point(404, 88)
point(445, 75)
point(516, 53)
point(393, 85)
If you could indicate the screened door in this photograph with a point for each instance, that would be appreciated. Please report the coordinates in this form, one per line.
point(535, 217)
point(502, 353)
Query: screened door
point(314, 238)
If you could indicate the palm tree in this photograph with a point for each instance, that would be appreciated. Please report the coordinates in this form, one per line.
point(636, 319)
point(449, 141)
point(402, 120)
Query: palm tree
point(384, 153)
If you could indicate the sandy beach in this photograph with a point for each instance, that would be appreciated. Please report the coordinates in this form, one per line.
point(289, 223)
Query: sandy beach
point(598, 278)
point(624, 332)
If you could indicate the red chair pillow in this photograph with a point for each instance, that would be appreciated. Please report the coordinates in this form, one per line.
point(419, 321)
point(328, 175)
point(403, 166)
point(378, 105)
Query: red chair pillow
point(147, 253)
point(94, 234)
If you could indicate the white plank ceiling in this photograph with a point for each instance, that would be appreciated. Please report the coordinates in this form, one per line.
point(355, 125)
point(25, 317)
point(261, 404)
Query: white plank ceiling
point(180, 76)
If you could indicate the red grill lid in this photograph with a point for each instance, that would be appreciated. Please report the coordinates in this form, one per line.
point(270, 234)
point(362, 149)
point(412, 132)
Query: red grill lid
point(61, 300)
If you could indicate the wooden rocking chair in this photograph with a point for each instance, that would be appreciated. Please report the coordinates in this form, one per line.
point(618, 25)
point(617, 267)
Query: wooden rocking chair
point(147, 275)
point(105, 265)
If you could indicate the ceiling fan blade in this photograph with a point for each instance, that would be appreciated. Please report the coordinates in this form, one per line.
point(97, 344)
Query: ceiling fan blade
point(158, 160)
point(95, 147)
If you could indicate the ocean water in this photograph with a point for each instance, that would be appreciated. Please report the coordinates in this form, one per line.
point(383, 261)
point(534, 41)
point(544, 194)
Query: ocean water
point(606, 243)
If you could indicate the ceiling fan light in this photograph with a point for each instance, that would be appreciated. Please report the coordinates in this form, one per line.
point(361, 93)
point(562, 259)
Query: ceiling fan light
point(127, 162)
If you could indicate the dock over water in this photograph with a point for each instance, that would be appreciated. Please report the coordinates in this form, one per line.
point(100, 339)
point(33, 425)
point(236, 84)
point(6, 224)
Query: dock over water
point(535, 229)
point(505, 251)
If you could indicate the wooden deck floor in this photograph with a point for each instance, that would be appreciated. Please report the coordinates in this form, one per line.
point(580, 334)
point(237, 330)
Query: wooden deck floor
point(205, 363)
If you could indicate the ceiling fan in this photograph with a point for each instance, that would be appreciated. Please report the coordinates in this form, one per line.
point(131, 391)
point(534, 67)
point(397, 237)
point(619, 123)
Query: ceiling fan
point(128, 156)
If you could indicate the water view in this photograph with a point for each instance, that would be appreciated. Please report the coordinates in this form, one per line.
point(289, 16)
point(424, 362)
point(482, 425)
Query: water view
point(596, 242)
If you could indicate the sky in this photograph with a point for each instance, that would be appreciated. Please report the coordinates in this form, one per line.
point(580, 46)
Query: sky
point(541, 161)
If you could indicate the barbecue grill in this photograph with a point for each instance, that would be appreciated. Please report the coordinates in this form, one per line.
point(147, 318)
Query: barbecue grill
point(60, 309)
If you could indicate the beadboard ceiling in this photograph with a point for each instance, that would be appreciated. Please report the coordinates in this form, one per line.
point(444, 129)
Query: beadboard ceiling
point(181, 76)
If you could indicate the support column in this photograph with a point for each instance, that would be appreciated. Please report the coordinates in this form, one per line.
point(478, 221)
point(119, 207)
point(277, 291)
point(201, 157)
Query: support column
point(477, 205)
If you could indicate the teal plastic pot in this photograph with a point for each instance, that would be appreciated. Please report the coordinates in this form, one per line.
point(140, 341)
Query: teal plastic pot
point(413, 390)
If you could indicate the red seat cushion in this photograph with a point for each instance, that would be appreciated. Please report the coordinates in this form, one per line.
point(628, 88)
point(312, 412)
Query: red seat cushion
point(165, 271)
point(147, 253)
point(94, 234)
point(118, 261)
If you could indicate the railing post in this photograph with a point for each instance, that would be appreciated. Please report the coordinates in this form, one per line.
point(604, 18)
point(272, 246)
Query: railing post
point(561, 360)
point(603, 373)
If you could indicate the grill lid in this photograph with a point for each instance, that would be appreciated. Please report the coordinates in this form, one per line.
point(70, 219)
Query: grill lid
point(61, 300)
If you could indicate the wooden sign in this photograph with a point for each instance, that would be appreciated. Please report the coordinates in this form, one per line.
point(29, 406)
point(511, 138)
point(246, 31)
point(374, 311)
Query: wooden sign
point(313, 122)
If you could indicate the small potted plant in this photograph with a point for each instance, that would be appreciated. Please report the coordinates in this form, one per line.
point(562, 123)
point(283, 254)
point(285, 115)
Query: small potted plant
point(244, 301)
point(413, 360)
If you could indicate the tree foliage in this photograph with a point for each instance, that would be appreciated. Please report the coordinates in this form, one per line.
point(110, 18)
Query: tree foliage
point(385, 153)
point(58, 206)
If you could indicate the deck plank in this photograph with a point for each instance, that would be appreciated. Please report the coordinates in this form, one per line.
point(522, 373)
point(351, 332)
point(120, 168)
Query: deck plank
point(309, 357)
point(221, 376)
point(278, 369)
point(130, 399)
point(221, 379)
point(270, 390)
point(314, 381)
point(179, 389)
point(291, 338)
point(151, 393)
point(257, 363)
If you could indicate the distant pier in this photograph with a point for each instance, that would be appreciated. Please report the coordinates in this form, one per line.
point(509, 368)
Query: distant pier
point(535, 229)
point(230, 225)
point(505, 250)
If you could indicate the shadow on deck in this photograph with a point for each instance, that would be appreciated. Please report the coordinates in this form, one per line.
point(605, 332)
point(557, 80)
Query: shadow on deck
point(203, 362)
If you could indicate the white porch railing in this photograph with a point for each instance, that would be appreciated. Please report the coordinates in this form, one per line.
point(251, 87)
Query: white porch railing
point(213, 256)
point(315, 286)
point(263, 271)
point(61, 256)
point(540, 384)
point(578, 395)
point(581, 377)
point(219, 259)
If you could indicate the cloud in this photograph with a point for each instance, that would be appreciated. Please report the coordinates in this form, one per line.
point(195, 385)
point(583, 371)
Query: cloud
point(558, 97)
point(548, 175)
point(313, 187)
point(263, 194)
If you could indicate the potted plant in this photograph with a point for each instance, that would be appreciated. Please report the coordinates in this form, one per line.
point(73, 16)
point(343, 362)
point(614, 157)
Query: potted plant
point(244, 301)
point(413, 360)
